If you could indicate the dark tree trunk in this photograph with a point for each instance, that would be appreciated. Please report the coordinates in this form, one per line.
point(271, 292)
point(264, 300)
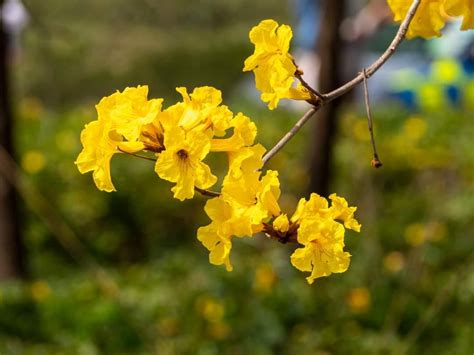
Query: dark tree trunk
point(329, 49)
point(11, 252)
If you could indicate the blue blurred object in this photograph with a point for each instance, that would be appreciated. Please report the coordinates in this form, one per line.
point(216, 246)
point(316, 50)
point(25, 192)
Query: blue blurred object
point(447, 80)
point(308, 19)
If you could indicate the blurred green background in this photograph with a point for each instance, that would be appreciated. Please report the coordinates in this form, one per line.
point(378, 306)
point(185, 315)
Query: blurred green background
point(410, 286)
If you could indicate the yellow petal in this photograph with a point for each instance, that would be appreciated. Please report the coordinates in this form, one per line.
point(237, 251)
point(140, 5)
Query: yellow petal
point(428, 20)
point(246, 160)
point(463, 8)
point(244, 135)
point(269, 193)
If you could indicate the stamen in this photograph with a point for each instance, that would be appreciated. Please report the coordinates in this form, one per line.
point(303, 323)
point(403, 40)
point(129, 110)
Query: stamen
point(182, 154)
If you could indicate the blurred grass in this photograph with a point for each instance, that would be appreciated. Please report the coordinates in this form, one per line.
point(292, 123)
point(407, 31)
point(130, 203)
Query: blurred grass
point(164, 297)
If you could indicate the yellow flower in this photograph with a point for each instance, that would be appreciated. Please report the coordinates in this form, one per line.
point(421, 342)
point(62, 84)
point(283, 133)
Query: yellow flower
point(201, 110)
point(316, 226)
point(121, 119)
point(273, 66)
point(216, 237)
point(99, 147)
point(316, 206)
point(181, 162)
point(244, 135)
point(255, 197)
point(463, 8)
point(245, 160)
point(428, 20)
point(340, 210)
point(239, 211)
point(128, 111)
point(269, 40)
point(323, 253)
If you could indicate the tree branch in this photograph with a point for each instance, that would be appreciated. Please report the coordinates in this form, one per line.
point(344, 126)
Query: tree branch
point(287, 137)
point(399, 37)
point(207, 193)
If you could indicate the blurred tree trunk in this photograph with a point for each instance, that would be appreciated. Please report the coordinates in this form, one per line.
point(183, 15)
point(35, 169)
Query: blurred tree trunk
point(330, 52)
point(11, 252)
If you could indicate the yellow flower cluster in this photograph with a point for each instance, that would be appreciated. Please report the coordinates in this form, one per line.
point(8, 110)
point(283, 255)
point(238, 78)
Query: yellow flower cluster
point(181, 136)
point(247, 204)
point(274, 68)
point(321, 232)
point(431, 15)
point(246, 201)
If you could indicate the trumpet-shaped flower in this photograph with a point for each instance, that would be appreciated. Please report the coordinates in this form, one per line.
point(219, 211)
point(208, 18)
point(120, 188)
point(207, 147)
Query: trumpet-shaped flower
point(322, 253)
point(244, 135)
point(341, 211)
point(463, 8)
point(316, 226)
point(216, 237)
point(200, 110)
point(244, 204)
point(245, 160)
point(316, 206)
point(428, 20)
point(273, 66)
point(99, 147)
point(181, 162)
point(121, 119)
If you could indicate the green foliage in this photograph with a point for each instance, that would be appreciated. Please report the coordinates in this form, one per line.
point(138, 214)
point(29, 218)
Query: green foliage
point(166, 298)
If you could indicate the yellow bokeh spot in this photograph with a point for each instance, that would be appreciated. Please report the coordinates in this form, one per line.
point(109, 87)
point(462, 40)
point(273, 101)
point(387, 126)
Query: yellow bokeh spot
point(40, 290)
point(414, 128)
point(415, 234)
point(359, 300)
point(210, 309)
point(394, 261)
point(431, 97)
point(33, 161)
point(446, 71)
point(265, 278)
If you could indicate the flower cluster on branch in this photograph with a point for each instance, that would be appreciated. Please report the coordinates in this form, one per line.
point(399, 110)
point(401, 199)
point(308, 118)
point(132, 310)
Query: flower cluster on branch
point(180, 137)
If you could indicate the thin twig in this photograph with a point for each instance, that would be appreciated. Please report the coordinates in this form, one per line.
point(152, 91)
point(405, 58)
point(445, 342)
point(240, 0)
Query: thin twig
point(287, 137)
point(207, 193)
point(137, 155)
point(349, 85)
point(376, 163)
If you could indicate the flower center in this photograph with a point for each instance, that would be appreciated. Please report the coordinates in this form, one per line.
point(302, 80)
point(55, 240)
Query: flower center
point(182, 154)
